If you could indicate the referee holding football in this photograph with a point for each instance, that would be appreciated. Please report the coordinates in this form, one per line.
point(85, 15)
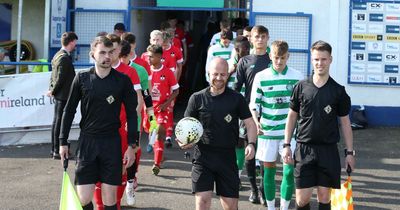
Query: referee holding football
point(316, 104)
point(101, 91)
point(219, 109)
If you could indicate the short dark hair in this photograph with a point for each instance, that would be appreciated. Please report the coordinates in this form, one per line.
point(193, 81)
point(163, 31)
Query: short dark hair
point(165, 25)
point(156, 49)
point(227, 34)
point(225, 23)
point(102, 33)
point(260, 29)
point(321, 46)
point(114, 38)
point(280, 47)
point(125, 49)
point(120, 27)
point(248, 28)
point(101, 40)
point(241, 40)
point(129, 37)
point(68, 37)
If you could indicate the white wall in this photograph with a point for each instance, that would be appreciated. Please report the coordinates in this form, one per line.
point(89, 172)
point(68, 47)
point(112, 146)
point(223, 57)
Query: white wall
point(32, 23)
point(330, 22)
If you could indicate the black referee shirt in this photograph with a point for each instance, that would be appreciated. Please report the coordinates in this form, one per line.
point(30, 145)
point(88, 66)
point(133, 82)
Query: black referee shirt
point(219, 116)
point(101, 100)
point(247, 68)
point(318, 110)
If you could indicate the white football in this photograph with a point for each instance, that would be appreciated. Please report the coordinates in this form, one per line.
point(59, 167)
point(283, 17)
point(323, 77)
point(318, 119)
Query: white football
point(188, 130)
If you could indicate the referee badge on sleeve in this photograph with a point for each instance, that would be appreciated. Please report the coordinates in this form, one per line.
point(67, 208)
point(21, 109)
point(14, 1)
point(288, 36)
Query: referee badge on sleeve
point(110, 99)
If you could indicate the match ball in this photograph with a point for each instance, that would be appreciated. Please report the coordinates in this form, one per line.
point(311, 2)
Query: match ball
point(188, 130)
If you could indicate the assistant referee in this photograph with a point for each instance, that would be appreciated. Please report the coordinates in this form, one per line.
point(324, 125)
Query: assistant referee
point(317, 104)
point(101, 90)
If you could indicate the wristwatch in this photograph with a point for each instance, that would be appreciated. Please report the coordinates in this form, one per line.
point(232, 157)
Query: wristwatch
point(252, 143)
point(349, 152)
point(286, 145)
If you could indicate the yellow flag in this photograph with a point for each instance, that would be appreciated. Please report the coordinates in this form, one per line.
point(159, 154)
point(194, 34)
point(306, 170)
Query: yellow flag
point(69, 200)
point(342, 199)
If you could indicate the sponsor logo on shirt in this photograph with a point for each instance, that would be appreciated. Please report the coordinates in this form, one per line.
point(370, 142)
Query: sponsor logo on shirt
point(172, 54)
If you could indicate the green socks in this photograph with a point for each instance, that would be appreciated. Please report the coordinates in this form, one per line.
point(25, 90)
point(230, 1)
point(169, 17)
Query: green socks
point(240, 157)
point(287, 186)
point(269, 183)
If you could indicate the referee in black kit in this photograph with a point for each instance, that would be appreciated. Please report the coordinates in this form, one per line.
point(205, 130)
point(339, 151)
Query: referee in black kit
point(101, 91)
point(316, 104)
point(218, 109)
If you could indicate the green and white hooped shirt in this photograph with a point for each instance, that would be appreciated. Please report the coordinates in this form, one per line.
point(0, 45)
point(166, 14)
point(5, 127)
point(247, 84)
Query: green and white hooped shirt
point(218, 50)
point(270, 96)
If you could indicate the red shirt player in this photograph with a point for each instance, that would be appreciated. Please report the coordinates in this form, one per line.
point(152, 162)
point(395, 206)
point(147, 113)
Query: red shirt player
point(164, 90)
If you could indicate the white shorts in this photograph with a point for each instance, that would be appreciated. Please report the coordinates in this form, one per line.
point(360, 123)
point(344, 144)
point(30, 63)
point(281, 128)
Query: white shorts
point(267, 150)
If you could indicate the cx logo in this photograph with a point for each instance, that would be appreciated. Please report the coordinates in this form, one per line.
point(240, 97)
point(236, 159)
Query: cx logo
point(376, 5)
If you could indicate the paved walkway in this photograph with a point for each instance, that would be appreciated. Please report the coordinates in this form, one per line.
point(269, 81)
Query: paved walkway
point(29, 179)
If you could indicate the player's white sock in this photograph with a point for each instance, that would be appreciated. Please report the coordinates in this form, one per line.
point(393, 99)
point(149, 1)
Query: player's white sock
point(271, 205)
point(240, 173)
point(284, 204)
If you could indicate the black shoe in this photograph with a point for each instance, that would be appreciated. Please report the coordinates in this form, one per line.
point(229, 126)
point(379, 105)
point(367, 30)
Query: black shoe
point(56, 156)
point(168, 143)
point(254, 198)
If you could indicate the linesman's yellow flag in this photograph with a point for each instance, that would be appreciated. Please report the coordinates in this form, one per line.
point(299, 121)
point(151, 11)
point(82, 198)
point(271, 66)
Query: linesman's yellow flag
point(69, 200)
point(342, 199)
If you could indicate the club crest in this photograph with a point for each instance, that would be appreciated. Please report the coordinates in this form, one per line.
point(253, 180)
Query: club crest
point(289, 87)
point(328, 109)
point(228, 118)
point(110, 99)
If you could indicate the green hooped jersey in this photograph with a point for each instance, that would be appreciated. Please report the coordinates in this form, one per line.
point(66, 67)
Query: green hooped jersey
point(270, 96)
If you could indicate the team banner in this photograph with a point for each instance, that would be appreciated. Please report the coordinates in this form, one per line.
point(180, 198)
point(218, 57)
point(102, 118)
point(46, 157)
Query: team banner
point(374, 51)
point(23, 101)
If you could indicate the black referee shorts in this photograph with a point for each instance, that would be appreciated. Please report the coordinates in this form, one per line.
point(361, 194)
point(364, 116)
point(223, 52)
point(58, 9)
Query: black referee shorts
point(317, 165)
point(99, 159)
point(215, 166)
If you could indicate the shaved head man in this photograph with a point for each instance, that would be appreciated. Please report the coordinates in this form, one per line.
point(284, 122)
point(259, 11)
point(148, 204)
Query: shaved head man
point(219, 110)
